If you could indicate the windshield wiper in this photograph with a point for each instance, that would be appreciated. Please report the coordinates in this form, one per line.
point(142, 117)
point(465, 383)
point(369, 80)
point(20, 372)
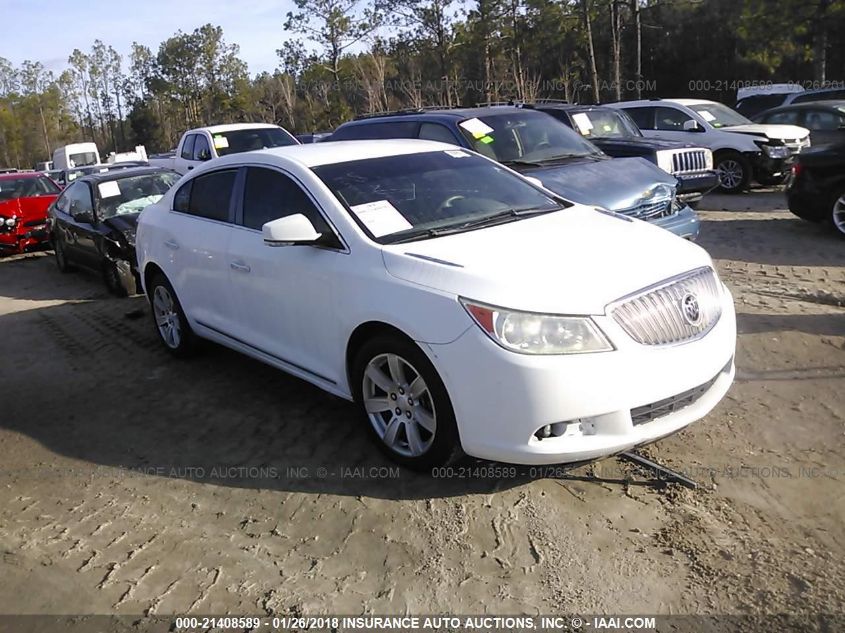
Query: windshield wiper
point(490, 220)
point(521, 163)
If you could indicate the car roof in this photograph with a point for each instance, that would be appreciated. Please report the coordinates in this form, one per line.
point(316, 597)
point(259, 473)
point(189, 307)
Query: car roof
point(435, 114)
point(833, 104)
point(14, 175)
point(690, 102)
point(117, 174)
point(231, 127)
point(331, 152)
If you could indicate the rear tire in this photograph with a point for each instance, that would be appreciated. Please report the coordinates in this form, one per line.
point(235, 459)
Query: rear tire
point(734, 171)
point(61, 256)
point(169, 320)
point(404, 403)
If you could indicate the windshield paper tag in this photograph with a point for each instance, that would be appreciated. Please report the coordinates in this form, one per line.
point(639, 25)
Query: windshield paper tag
point(221, 142)
point(476, 127)
point(381, 218)
point(706, 115)
point(456, 153)
point(583, 122)
point(109, 189)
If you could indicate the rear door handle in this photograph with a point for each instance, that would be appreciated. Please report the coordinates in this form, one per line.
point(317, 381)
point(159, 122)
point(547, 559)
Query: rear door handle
point(240, 266)
point(171, 244)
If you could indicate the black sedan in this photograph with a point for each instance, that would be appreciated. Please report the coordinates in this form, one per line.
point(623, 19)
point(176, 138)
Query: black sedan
point(824, 119)
point(816, 188)
point(92, 224)
point(616, 134)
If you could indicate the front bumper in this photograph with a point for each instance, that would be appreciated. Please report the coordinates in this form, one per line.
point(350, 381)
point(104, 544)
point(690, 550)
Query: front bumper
point(684, 223)
point(23, 239)
point(694, 186)
point(768, 169)
point(501, 399)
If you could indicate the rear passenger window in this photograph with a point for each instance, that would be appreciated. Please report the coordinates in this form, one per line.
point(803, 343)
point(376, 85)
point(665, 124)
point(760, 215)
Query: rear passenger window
point(188, 147)
point(643, 117)
point(270, 195)
point(437, 132)
point(210, 195)
point(392, 129)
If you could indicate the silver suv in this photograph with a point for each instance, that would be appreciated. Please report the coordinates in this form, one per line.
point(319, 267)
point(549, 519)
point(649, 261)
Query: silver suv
point(742, 150)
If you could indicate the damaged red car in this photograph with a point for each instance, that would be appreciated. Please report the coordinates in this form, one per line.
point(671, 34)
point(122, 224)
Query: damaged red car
point(24, 198)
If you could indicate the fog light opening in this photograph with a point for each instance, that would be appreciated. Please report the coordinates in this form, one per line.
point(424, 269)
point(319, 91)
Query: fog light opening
point(559, 429)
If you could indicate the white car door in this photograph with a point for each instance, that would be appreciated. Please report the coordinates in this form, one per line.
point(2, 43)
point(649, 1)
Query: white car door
point(285, 295)
point(184, 161)
point(200, 227)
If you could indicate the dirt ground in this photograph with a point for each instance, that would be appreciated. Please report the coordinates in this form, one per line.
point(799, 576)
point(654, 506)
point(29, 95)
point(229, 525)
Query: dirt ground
point(132, 483)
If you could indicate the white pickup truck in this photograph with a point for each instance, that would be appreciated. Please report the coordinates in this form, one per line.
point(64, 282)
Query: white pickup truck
point(204, 143)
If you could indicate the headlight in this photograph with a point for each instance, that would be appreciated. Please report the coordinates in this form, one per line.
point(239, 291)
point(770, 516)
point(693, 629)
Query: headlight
point(776, 151)
point(10, 221)
point(531, 333)
point(664, 160)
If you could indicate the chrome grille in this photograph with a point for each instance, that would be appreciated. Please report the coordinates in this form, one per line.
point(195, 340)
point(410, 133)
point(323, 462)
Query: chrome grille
point(686, 161)
point(657, 315)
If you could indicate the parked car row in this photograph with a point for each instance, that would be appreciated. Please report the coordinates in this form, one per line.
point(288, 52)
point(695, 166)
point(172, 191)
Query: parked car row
point(477, 280)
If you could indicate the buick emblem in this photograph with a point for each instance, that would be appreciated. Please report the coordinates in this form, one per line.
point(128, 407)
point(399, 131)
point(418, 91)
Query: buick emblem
point(690, 309)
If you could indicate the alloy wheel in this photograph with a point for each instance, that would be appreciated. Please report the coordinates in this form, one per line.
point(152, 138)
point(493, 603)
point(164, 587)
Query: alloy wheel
point(167, 317)
point(730, 173)
point(838, 214)
point(399, 405)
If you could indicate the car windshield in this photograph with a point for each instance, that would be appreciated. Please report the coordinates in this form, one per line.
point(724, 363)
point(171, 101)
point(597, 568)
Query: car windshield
point(525, 137)
point(605, 124)
point(719, 115)
point(27, 187)
point(423, 195)
point(83, 158)
point(238, 141)
point(132, 193)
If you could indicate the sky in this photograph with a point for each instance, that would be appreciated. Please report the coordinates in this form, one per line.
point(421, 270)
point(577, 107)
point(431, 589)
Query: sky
point(49, 30)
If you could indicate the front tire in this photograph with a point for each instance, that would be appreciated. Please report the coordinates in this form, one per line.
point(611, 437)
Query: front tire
point(405, 404)
point(111, 277)
point(734, 171)
point(172, 327)
point(837, 213)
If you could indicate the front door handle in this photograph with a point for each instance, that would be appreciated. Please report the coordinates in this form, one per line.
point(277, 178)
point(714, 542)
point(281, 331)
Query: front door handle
point(171, 244)
point(240, 266)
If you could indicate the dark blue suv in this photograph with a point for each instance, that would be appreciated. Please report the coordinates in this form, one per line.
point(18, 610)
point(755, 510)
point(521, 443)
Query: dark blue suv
point(541, 147)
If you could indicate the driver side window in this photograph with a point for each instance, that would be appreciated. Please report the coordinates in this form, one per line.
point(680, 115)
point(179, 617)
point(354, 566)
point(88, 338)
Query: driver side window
point(202, 151)
point(80, 202)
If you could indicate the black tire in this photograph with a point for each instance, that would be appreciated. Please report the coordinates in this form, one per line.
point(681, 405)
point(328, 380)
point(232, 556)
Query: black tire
point(61, 256)
point(111, 277)
point(185, 344)
point(836, 212)
point(737, 171)
point(444, 444)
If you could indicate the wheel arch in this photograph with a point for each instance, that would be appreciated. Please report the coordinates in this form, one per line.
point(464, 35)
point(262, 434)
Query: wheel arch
point(363, 333)
point(151, 269)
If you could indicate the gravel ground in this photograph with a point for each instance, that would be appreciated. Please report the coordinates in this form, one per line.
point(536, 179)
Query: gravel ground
point(131, 483)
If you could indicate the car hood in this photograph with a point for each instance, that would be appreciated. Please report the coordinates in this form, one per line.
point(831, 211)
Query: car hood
point(126, 223)
point(574, 261)
point(614, 184)
point(641, 142)
point(779, 132)
point(27, 209)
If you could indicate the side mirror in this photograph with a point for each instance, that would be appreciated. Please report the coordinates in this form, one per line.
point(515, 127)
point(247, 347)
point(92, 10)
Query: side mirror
point(291, 230)
point(83, 217)
point(204, 154)
point(692, 126)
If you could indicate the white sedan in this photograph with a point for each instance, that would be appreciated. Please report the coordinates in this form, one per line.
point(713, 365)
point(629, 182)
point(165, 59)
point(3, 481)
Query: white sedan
point(463, 307)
